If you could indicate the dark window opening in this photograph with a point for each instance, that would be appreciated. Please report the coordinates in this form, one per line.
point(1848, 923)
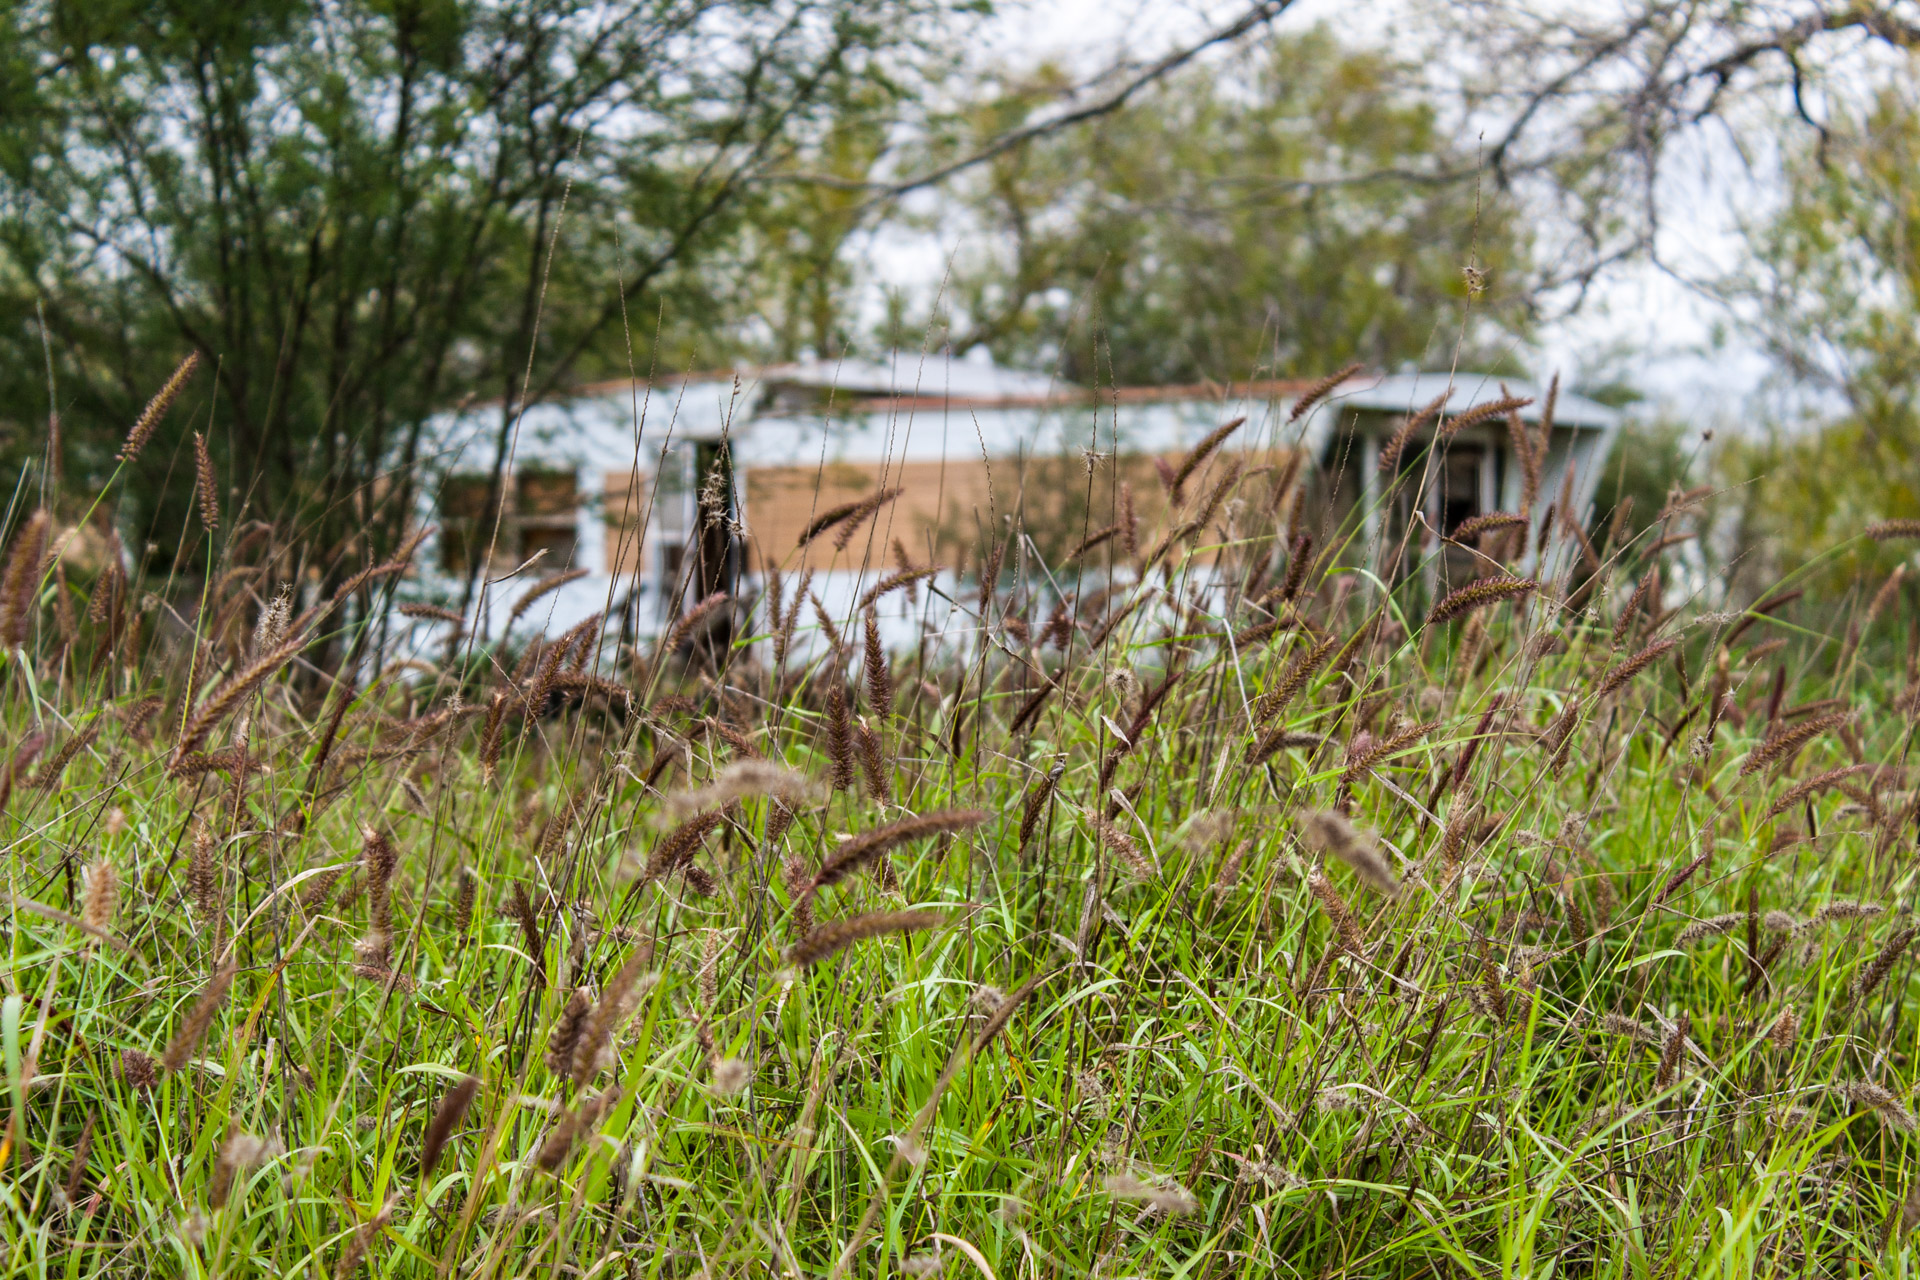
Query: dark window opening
point(1453, 496)
point(546, 511)
point(542, 513)
point(464, 526)
point(1460, 486)
point(558, 542)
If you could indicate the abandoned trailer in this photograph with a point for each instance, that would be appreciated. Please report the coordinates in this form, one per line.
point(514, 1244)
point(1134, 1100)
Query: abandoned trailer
point(660, 494)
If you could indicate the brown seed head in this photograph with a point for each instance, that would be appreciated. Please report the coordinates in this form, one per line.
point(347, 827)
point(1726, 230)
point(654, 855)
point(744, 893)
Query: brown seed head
point(1402, 437)
point(241, 1152)
point(730, 1075)
point(1876, 973)
point(1329, 832)
point(797, 876)
point(198, 1019)
point(1336, 910)
point(1292, 680)
point(1795, 794)
point(1784, 745)
point(678, 847)
point(1622, 672)
point(1869, 1096)
point(1846, 909)
point(100, 893)
point(1670, 1050)
point(1478, 595)
point(906, 577)
point(840, 934)
point(539, 591)
point(149, 419)
point(139, 1070)
point(445, 1120)
point(20, 591)
point(839, 736)
point(693, 619)
point(1200, 453)
point(874, 765)
point(865, 848)
point(1320, 391)
point(565, 1036)
point(1713, 927)
point(206, 488)
point(1481, 413)
point(1138, 865)
point(616, 1004)
point(217, 705)
point(859, 514)
point(1616, 1024)
point(1884, 596)
point(463, 901)
point(1037, 797)
point(879, 678)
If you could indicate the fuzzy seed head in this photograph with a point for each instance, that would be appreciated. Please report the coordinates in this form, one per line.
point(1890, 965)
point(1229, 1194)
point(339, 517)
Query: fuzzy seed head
point(149, 419)
point(1616, 1024)
point(1329, 832)
point(1164, 1197)
point(139, 1070)
point(1701, 930)
point(1138, 866)
point(206, 486)
point(829, 939)
point(565, 1037)
point(1478, 595)
point(1336, 911)
point(1785, 1029)
point(730, 1076)
point(1846, 910)
point(1864, 1095)
point(100, 894)
point(1670, 1051)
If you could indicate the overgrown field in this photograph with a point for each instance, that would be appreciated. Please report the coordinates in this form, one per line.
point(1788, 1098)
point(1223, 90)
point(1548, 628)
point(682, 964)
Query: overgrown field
point(1241, 917)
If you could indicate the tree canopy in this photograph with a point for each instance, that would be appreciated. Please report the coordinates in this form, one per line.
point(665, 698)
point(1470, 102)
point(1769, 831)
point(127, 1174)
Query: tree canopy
point(364, 211)
point(1300, 207)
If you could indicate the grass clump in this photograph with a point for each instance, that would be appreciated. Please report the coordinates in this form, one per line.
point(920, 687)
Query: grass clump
point(1251, 918)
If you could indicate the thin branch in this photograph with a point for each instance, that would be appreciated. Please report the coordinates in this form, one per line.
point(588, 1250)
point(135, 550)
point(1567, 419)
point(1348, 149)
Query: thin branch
point(1262, 12)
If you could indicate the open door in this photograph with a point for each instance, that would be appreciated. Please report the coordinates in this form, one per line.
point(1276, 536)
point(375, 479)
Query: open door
point(1460, 485)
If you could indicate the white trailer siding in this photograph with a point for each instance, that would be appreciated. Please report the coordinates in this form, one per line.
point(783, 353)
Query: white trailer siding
point(800, 437)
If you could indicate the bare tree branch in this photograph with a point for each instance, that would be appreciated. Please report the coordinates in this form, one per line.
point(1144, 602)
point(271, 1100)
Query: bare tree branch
point(1262, 12)
point(559, 369)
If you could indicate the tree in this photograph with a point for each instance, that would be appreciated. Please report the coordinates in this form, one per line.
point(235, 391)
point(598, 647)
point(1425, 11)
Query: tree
point(1289, 210)
point(1832, 291)
point(362, 211)
point(1587, 106)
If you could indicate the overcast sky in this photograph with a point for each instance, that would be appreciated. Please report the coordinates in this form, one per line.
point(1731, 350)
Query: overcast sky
point(1641, 322)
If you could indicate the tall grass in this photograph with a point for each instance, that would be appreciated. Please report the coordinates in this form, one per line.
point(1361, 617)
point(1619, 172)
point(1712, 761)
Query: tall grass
point(1243, 915)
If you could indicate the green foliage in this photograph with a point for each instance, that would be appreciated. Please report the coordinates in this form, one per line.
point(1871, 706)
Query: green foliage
point(1647, 463)
point(1287, 212)
point(1837, 272)
point(1796, 496)
point(1457, 949)
point(361, 212)
point(1835, 283)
